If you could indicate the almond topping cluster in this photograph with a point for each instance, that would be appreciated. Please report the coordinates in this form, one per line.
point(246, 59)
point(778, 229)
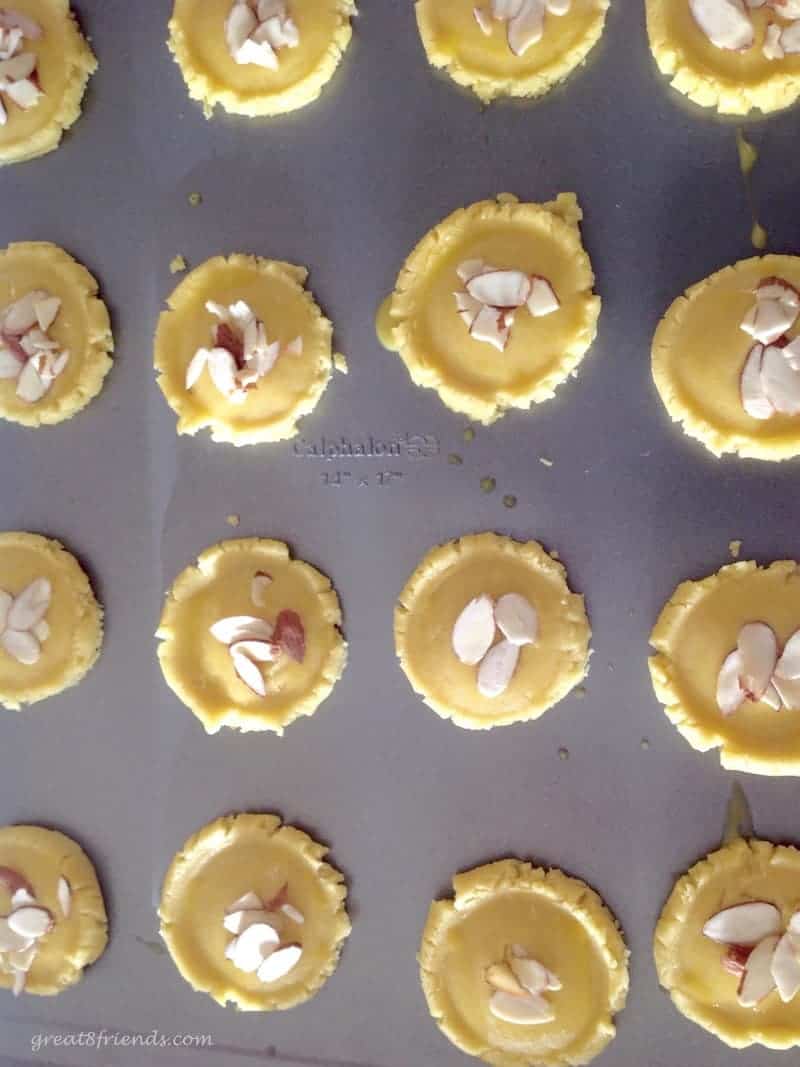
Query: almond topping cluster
point(22, 930)
point(491, 296)
point(23, 627)
point(18, 78)
point(257, 30)
point(241, 355)
point(770, 381)
point(28, 355)
point(524, 20)
point(260, 944)
point(756, 671)
point(476, 629)
point(729, 25)
point(760, 953)
point(518, 986)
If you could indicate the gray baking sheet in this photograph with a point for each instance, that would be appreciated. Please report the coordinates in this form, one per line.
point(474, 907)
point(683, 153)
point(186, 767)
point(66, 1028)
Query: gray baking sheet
point(347, 187)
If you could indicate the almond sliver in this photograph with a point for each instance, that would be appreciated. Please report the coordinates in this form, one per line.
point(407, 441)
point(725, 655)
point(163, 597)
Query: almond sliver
point(474, 631)
point(743, 924)
point(758, 649)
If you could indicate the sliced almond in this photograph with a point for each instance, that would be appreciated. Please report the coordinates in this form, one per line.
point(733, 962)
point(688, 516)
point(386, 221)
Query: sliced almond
point(781, 381)
point(18, 983)
point(531, 975)
point(500, 288)
point(10, 940)
point(788, 666)
point(543, 299)
point(245, 903)
point(222, 368)
point(520, 1011)
point(772, 698)
point(474, 631)
point(197, 365)
point(730, 695)
point(778, 289)
point(20, 898)
point(36, 340)
point(772, 47)
point(47, 312)
point(735, 960)
point(489, 326)
point(21, 646)
point(769, 320)
point(64, 894)
point(279, 963)
point(268, 9)
point(254, 945)
point(20, 316)
point(484, 20)
point(506, 9)
point(558, 7)
point(30, 921)
point(258, 588)
point(241, 628)
point(785, 967)
point(259, 53)
point(757, 981)
point(726, 23)
point(469, 268)
point(22, 959)
point(792, 353)
point(249, 673)
point(257, 651)
point(517, 619)
point(295, 347)
point(10, 363)
point(789, 691)
point(18, 67)
point(744, 924)
point(758, 649)
point(468, 308)
point(501, 976)
point(290, 635)
point(30, 386)
point(527, 27)
point(16, 20)
point(497, 669)
point(794, 923)
point(239, 24)
point(3, 114)
point(293, 913)
point(24, 93)
point(31, 605)
point(236, 922)
point(790, 39)
point(751, 386)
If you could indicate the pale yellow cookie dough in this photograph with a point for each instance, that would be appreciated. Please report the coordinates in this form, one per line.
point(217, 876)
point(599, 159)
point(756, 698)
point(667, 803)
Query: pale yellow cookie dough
point(198, 667)
point(689, 964)
point(197, 41)
point(561, 923)
point(240, 854)
point(420, 321)
point(82, 327)
point(74, 619)
point(733, 82)
point(41, 858)
point(699, 351)
point(276, 294)
point(446, 580)
point(695, 632)
point(64, 64)
point(484, 63)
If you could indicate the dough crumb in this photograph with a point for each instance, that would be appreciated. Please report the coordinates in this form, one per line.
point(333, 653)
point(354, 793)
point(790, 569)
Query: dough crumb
point(177, 264)
point(340, 363)
point(469, 434)
point(545, 461)
point(735, 548)
point(579, 692)
point(554, 554)
point(454, 459)
point(645, 744)
point(195, 199)
point(232, 520)
point(509, 501)
point(488, 485)
point(563, 753)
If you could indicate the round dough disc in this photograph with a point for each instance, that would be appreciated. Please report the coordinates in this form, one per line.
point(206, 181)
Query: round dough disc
point(422, 321)
point(200, 669)
point(82, 327)
point(733, 82)
point(694, 634)
point(197, 41)
point(275, 292)
point(558, 921)
point(64, 64)
point(74, 619)
point(689, 964)
point(484, 62)
point(41, 858)
point(447, 579)
point(250, 853)
point(699, 352)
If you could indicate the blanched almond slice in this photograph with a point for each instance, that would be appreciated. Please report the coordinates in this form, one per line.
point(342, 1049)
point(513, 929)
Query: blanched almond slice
point(490, 327)
point(249, 673)
point(484, 20)
point(769, 320)
point(18, 983)
point(789, 691)
point(20, 316)
point(10, 940)
point(47, 312)
point(469, 268)
point(781, 381)
point(30, 921)
point(744, 924)
point(778, 289)
point(24, 93)
point(794, 923)
point(726, 23)
point(290, 634)
point(522, 1011)
point(291, 912)
point(64, 894)
point(268, 9)
point(241, 628)
point(500, 288)
point(258, 588)
point(730, 695)
point(527, 27)
point(278, 964)
point(22, 960)
point(735, 959)
point(758, 648)
point(253, 945)
point(236, 922)
point(530, 974)
point(517, 619)
point(10, 363)
point(30, 386)
point(31, 605)
point(543, 300)
point(474, 630)
point(787, 9)
point(772, 47)
point(772, 698)
point(20, 66)
point(754, 399)
point(757, 981)
point(790, 39)
point(222, 368)
point(788, 666)
point(500, 976)
point(35, 340)
point(245, 903)
point(21, 646)
point(506, 9)
point(196, 367)
point(20, 898)
point(785, 967)
point(497, 669)
point(15, 20)
point(257, 651)
point(260, 53)
point(240, 23)
point(468, 308)
point(792, 353)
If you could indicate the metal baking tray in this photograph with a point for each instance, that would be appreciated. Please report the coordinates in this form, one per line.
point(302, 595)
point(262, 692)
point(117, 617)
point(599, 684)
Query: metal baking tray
point(347, 187)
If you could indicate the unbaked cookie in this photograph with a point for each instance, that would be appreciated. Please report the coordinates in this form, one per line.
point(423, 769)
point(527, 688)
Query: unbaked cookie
point(252, 915)
point(44, 66)
point(727, 665)
point(250, 637)
point(488, 632)
point(726, 359)
point(494, 307)
point(524, 966)
point(243, 349)
point(734, 55)
point(51, 626)
point(509, 47)
point(258, 57)
point(54, 920)
point(727, 945)
point(55, 335)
